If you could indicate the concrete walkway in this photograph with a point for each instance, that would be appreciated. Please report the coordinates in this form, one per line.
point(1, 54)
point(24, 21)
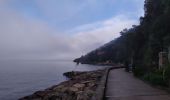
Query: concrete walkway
point(123, 86)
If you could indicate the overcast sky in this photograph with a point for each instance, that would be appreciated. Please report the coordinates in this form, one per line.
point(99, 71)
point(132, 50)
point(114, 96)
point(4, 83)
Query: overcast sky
point(62, 29)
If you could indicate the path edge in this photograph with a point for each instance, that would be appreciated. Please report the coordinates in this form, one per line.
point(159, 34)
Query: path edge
point(101, 88)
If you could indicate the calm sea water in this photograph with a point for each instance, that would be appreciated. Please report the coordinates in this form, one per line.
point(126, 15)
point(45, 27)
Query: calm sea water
point(21, 78)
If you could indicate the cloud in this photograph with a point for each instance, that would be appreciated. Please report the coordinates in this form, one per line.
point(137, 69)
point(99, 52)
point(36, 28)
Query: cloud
point(69, 14)
point(21, 37)
point(91, 36)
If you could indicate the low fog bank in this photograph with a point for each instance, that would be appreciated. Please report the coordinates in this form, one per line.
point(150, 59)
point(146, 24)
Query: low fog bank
point(25, 38)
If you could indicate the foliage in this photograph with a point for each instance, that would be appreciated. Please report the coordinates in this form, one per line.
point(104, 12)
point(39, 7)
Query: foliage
point(141, 43)
point(166, 73)
point(159, 77)
point(155, 79)
point(139, 71)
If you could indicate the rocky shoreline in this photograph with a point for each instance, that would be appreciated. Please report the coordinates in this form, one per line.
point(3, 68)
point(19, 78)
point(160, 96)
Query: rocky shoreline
point(80, 86)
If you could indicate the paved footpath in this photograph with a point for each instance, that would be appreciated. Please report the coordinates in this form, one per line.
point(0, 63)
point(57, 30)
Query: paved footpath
point(123, 86)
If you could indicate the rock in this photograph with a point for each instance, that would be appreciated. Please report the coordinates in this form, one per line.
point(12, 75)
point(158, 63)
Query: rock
point(84, 82)
point(90, 92)
point(91, 84)
point(58, 87)
point(82, 96)
point(79, 86)
point(41, 93)
point(73, 89)
point(63, 89)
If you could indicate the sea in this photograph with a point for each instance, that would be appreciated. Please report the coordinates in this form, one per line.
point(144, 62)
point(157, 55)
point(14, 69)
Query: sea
point(20, 78)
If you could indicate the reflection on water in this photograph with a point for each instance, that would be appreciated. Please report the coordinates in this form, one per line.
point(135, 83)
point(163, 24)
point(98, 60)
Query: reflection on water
point(21, 78)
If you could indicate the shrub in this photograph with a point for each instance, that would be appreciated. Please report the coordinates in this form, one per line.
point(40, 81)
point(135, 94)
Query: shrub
point(155, 79)
point(166, 74)
point(159, 77)
point(139, 71)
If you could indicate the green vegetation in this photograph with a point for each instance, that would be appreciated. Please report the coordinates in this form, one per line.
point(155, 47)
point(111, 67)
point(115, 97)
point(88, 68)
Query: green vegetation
point(140, 44)
point(155, 78)
point(159, 77)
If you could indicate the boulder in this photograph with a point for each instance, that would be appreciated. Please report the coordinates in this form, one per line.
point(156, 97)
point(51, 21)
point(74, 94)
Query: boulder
point(79, 86)
point(73, 89)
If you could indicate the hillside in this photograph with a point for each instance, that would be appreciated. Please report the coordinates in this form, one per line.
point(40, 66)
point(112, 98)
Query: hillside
point(140, 44)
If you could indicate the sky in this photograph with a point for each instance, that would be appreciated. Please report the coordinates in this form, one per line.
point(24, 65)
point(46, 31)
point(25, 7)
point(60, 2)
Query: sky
point(62, 29)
